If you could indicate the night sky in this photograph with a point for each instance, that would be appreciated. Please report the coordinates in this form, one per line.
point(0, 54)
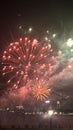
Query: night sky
point(50, 14)
point(53, 15)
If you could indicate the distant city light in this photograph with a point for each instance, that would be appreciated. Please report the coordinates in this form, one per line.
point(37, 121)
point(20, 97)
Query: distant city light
point(7, 109)
point(20, 107)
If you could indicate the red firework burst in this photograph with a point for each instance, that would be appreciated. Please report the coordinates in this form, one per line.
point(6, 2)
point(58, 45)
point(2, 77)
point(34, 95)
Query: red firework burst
point(27, 60)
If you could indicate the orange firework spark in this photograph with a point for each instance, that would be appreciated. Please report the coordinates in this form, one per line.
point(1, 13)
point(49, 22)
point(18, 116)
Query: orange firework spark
point(26, 60)
point(41, 90)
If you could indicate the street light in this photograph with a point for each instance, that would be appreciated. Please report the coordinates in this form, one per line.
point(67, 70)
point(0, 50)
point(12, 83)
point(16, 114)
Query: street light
point(50, 112)
point(47, 101)
point(58, 104)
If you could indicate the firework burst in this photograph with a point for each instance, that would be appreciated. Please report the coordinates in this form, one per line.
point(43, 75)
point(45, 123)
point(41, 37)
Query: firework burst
point(27, 60)
point(40, 90)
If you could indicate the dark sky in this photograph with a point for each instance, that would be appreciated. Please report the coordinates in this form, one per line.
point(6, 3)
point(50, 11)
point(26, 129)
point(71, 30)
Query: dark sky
point(40, 14)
